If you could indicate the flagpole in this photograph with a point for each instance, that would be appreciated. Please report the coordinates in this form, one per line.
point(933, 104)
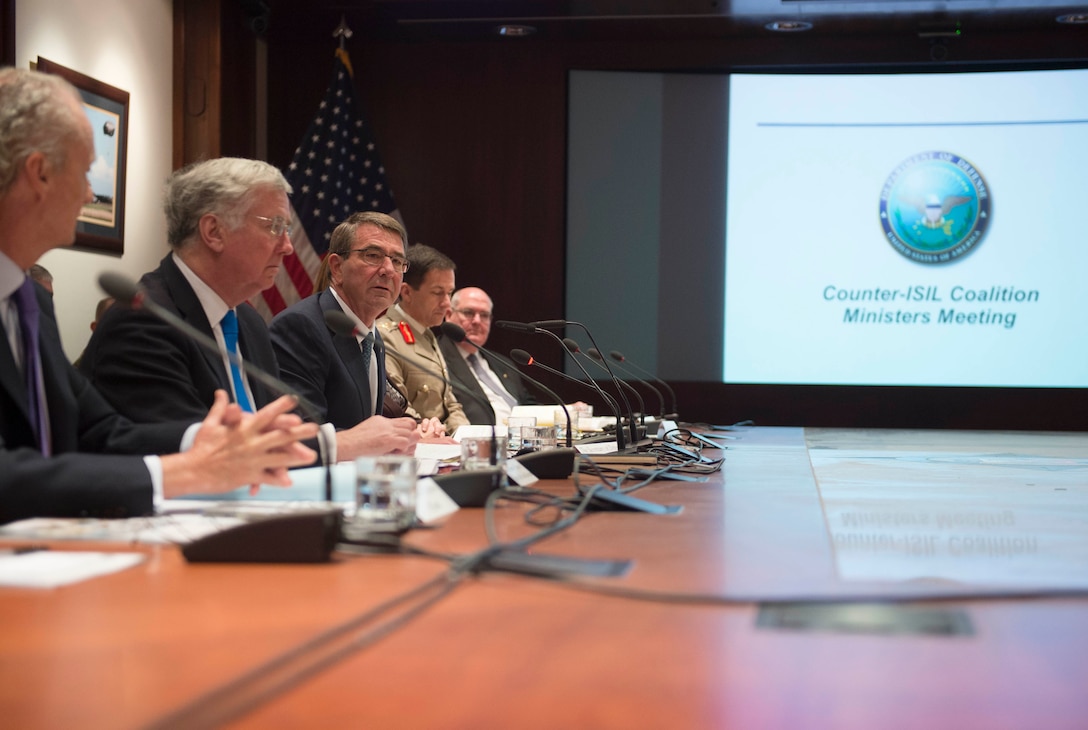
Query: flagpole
point(335, 171)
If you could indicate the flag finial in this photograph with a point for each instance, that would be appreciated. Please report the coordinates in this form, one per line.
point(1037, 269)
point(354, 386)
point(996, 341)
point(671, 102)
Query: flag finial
point(343, 32)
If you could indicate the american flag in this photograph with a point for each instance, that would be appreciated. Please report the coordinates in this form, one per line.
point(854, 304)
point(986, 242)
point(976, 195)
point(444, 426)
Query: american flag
point(335, 172)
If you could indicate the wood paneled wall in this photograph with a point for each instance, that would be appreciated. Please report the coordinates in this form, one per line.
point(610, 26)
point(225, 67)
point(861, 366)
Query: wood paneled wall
point(473, 137)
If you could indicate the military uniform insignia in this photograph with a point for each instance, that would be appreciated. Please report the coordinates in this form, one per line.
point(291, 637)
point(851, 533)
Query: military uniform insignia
point(406, 333)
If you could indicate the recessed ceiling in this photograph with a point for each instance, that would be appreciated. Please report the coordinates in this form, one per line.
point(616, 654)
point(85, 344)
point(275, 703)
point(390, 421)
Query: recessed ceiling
point(651, 19)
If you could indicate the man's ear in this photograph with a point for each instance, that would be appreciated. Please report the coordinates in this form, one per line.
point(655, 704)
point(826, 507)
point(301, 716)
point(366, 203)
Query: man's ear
point(405, 292)
point(336, 263)
point(38, 172)
point(212, 232)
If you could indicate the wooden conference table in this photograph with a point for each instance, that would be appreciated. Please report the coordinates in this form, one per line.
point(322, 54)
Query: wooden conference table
point(793, 514)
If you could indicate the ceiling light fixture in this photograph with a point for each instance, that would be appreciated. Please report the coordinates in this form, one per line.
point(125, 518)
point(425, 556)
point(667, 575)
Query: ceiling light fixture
point(789, 26)
point(515, 31)
point(1073, 18)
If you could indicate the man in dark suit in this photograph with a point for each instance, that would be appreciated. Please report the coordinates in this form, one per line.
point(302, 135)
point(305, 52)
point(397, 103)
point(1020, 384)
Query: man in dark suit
point(62, 447)
point(345, 377)
point(227, 223)
point(491, 379)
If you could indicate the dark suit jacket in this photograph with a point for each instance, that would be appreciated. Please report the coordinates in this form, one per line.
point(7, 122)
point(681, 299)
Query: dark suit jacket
point(151, 372)
point(463, 377)
point(325, 367)
point(85, 476)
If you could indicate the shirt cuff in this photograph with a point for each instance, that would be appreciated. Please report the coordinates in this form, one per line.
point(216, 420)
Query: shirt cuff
point(328, 440)
point(189, 437)
point(154, 467)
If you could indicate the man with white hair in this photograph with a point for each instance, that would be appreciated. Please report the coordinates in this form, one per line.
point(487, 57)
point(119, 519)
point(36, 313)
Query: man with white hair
point(63, 450)
point(227, 226)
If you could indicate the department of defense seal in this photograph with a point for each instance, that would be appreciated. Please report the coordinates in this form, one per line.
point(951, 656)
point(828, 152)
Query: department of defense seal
point(935, 207)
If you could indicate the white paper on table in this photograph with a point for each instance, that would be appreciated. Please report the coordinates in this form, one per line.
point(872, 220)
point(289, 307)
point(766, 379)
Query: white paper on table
point(53, 568)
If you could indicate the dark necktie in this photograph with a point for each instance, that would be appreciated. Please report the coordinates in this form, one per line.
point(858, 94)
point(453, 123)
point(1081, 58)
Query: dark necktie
point(487, 377)
point(367, 346)
point(229, 324)
point(27, 304)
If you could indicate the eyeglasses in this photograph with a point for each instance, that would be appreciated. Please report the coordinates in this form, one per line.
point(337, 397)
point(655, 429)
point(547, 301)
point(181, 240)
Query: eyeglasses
point(471, 313)
point(376, 257)
point(276, 226)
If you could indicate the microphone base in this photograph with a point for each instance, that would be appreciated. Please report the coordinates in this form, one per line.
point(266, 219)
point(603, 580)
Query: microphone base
point(296, 537)
point(471, 488)
point(549, 464)
point(610, 500)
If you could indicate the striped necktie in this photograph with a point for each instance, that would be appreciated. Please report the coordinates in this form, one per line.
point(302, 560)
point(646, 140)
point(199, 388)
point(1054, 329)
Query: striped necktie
point(486, 376)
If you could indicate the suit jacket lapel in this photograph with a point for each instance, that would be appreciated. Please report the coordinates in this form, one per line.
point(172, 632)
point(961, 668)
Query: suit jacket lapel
point(379, 352)
point(11, 379)
point(347, 348)
point(190, 310)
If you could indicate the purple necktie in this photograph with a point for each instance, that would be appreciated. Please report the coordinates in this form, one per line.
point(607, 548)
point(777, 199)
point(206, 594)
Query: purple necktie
point(27, 303)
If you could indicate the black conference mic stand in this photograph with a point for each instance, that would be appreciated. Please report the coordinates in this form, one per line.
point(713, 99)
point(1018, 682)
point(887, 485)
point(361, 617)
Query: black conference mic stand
point(618, 357)
point(621, 444)
point(524, 358)
point(457, 333)
point(604, 497)
point(556, 323)
point(576, 350)
point(596, 355)
point(124, 290)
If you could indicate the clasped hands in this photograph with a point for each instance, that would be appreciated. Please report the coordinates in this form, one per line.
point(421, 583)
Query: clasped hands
point(234, 448)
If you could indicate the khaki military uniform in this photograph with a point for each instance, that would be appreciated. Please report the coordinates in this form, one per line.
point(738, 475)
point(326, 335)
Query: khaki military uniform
point(428, 396)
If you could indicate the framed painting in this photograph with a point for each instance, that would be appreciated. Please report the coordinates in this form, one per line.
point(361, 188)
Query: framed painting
point(101, 223)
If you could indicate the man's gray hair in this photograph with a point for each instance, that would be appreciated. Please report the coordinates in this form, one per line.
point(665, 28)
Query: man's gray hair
point(225, 187)
point(36, 115)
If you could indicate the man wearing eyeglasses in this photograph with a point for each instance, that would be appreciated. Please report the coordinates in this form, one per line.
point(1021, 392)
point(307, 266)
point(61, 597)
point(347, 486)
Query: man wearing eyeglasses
point(491, 379)
point(406, 329)
point(345, 377)
point(227, 225)
point(63, 450)
point(227, 222)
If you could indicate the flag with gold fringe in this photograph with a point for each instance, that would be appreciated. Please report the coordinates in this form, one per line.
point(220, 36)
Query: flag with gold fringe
point(335, 171)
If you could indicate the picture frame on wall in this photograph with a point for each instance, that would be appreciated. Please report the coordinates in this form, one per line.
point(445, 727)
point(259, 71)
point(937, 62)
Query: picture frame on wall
point(100, 227)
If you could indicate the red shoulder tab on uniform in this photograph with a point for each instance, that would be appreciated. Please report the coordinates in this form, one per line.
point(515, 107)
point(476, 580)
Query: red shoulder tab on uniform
point(406, 333)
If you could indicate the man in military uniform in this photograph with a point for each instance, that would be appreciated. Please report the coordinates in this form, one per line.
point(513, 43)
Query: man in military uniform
point(414, 360)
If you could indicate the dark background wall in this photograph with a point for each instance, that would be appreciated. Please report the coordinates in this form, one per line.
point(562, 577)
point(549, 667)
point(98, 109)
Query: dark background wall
point(471, 128)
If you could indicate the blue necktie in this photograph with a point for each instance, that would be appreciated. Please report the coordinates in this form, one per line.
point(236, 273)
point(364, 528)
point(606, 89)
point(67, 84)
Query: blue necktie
point(230, 337)
point(27, 304)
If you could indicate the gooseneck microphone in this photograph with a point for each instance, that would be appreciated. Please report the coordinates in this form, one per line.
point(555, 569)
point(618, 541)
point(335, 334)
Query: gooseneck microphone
point(545, 325)
point(516, 326)
point(125, 290)
point(457, 333)
point(610, 402)
point(618, 357)
point(576, 350)
point(524, 358)
point(596, 355)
